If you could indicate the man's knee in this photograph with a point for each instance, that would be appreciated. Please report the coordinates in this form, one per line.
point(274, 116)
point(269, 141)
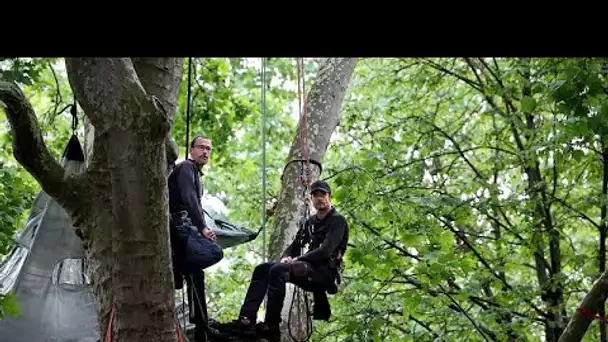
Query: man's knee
point(261, 270)
point(217, 253)
point(202, 253)
point(279, 270)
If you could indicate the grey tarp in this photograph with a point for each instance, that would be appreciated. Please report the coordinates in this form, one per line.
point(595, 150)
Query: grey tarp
point(47, 272)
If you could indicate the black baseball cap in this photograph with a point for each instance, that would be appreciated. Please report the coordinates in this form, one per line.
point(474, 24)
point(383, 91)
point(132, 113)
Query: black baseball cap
point(320, 186)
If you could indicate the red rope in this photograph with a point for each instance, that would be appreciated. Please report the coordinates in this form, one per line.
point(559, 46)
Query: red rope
point(180, 336)
point(304, 120)
point(590, 315)
point(109, 329)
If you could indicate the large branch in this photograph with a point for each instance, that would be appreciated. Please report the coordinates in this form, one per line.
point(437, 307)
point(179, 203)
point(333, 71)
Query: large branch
point(580, 321)
point(116, 81)
point(30, 150)
point(161, 77)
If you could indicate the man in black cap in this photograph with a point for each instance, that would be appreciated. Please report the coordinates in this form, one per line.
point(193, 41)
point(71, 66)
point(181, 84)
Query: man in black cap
point(316, 271)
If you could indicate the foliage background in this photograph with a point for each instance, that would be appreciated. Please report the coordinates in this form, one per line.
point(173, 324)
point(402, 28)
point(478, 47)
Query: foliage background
point(475, 188)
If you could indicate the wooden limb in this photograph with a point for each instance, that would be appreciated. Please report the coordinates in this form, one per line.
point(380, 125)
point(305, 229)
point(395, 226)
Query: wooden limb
point(30, 150)
point(580, 321)
point(116, 81)
point(161, 77)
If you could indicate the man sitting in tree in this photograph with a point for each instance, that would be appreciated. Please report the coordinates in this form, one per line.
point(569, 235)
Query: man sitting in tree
point(193, 243)
point(317, 271)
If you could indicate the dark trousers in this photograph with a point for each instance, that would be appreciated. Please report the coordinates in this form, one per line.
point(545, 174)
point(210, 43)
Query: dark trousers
point(270, 279)
point(198, 304)
point(191, 250)
point(192, 253)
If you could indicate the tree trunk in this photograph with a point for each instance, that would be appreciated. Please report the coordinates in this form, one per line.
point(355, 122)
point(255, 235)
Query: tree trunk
point(580, 321)
point(323, 106)
point(120, 204)
point(128, 238)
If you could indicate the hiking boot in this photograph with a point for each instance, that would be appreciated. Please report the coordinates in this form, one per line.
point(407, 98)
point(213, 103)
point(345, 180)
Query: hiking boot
point(242, 326)
point(270, 332)
point(213, 334)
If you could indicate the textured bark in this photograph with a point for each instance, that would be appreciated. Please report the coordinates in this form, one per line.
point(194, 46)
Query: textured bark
point(161, 77)
point(323, 107)
point(579, 322)
point(30, 151)
point(552, 295)
point(120, 204)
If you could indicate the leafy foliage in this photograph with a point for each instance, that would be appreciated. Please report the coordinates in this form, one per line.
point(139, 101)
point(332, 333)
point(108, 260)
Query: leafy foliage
point(475, 188)
point(227, 107)
point(472, 181)
point(9, 306)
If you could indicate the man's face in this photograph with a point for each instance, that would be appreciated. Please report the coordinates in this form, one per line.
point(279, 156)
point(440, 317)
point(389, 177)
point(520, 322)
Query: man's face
point(201, 151)
point(320, 200)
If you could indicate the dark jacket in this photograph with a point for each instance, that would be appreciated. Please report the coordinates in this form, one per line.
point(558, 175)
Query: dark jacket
point(186, 191)
point(327, 240)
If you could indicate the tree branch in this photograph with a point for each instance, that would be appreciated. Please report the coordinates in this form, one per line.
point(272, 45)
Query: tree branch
point(30, 150)
point(115, 80)
point(580, 321)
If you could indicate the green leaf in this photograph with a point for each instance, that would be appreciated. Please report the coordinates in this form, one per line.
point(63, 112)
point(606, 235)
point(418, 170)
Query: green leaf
point(9, 306)
point(578, 155)
point(528, 104)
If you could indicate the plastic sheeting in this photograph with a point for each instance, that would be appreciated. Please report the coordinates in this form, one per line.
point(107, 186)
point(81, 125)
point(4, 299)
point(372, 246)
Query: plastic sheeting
point(44, 271)
point(47, 272)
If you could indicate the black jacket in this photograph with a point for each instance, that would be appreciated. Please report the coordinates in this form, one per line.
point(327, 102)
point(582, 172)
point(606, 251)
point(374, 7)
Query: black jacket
point(327, 238)
point(186, 191)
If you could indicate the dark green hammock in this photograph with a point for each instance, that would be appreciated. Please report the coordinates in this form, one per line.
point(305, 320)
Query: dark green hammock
point(229, 234)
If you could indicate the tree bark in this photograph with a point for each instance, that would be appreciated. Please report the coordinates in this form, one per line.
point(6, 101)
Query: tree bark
point(580, 321)
point(131, 105)
point(120, 204)
point(323, 107)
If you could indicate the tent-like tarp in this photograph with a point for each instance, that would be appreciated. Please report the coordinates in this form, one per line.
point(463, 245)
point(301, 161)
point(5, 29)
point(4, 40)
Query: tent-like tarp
point(47, 271)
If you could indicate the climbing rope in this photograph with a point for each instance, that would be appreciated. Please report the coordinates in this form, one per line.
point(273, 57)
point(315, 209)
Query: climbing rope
point(188, 107)
point(306, 179)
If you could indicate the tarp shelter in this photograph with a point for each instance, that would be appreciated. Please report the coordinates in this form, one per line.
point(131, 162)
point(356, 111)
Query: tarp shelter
point(47, 271)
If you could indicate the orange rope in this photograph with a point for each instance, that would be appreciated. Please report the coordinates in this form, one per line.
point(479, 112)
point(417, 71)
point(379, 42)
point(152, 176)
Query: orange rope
point(306, 180)
point(109, 329)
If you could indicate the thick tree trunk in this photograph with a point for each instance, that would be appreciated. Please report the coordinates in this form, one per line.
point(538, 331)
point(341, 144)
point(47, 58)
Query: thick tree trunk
point(120, 203)
point(323, 107)
point(128, 229)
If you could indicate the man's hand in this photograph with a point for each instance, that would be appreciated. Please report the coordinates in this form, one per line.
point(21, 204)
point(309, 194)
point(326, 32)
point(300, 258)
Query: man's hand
point(209, 234)
point(286, 260)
